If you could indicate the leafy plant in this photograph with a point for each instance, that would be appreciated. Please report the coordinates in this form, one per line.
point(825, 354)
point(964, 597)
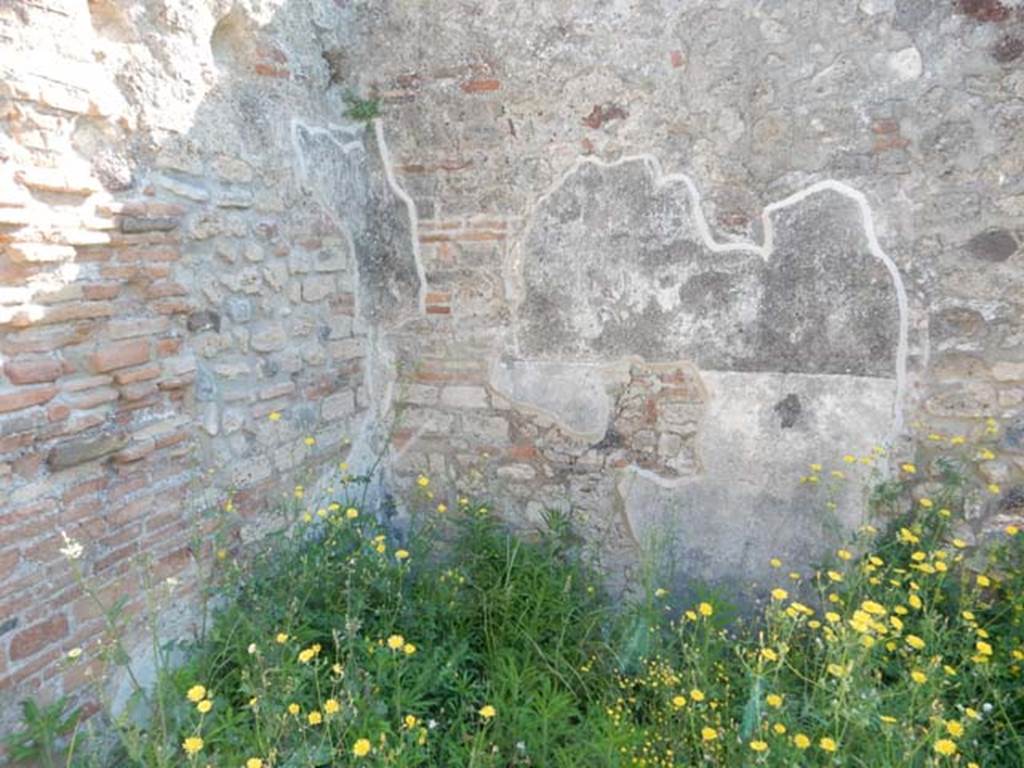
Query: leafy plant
point(360, 109)
point(45, 727)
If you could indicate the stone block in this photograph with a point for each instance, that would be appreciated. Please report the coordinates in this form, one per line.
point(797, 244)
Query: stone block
point(76, 452)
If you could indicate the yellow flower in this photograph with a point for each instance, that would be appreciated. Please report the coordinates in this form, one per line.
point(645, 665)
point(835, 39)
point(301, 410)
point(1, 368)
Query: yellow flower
point(775, 562)
point(487, 712)
point(196, 693)
point(779, 594)
point(1012, 530)
point(769, 655)
point(315, 718)
point(310, 441)
point(708, 734)
point(659, 592)
point(331, 706)
point(835, 576)
point(919, 677)
point(946, 747)
point(274, 416)
point(844, 554)
point(253, 762)
point(959, 543)
point(954, 728)
point(293, 708)
point(361, 748)
point(281, 638)
point(827, 744)
point(983, 580)
point(994, 488)
point(926, 503)
point(408, 649)
point(888, 719)
point(983, 648)
point(779, 729)
point(836, 670)
point(910, 469)
point(815, 467)
point(306, 655)
point(758, 746)
point(204, 706)
point(395, 642)
point(915, 601)
point(422, 481)
point(915, 642)
point(697, 694)
point(801, 741)
point(191, 745)
point(410, 721)
point(401, 554)
point(705, 609)
point(986, 455)
point(870, 606)
point(773, 700)
point(351, 513)
point(442, 508)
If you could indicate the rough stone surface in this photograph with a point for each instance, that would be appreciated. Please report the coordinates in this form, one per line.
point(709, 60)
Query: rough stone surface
point(639, 261)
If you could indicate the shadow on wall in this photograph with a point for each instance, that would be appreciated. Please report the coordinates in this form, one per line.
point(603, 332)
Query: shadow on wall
point(171, 278)
point(799, 344)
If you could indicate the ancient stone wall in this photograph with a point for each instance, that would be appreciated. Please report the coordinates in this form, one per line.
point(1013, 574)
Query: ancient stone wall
point(181, 320)
point(646, 261)
point(675, 253)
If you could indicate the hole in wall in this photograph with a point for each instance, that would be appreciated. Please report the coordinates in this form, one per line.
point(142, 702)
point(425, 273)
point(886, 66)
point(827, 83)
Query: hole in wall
point(788, 410)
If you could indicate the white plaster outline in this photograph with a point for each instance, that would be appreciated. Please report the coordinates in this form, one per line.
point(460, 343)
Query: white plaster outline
point(414, 219)
point(389, 175)
point(382, 402)
point(764, 250)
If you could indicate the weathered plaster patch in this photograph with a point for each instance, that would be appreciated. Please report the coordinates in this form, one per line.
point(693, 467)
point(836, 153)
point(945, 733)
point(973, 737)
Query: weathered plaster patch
point(348, 170)
point(747, 504)
point(601, 274)
point(573, 395)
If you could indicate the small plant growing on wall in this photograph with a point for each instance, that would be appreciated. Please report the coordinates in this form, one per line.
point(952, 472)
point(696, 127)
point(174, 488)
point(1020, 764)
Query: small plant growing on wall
point(360, 109)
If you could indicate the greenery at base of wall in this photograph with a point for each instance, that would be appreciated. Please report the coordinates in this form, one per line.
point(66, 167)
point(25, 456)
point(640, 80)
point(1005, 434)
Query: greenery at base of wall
point(470, 646)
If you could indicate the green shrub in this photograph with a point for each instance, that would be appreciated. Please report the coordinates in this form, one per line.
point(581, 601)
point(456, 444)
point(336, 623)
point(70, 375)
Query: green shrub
point(474, 647)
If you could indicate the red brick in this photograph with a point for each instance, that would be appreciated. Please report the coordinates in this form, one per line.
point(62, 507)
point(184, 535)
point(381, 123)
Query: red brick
point(31, 640)
point(168, 347)
point(64, 313)
point(57, 412)
point(481, 85)
point(269, 70)
point(14, 399)
point(140, 373)
point(120, 355)
point(33, 370)
point(45, 339)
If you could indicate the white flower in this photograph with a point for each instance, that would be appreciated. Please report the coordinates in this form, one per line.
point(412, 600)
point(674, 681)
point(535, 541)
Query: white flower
point(171, 582)
point(252, 648)
point(74, 653)
point(72, 549)
point(431, 723)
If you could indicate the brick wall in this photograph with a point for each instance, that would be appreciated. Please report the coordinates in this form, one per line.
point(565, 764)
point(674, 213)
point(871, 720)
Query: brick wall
point(166, 285)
